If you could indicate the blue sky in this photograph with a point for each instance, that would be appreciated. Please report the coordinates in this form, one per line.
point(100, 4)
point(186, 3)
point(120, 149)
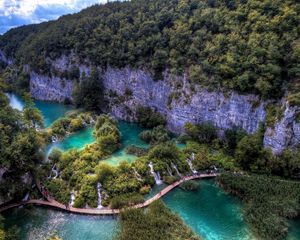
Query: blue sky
point(15, 13)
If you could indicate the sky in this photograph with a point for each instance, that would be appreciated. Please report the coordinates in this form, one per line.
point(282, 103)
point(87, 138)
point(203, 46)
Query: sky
point(14, 13)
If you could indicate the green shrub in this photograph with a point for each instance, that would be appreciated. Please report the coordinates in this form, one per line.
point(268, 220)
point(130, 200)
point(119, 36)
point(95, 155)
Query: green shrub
point(126, 200)
point(158, 222)
point(203, 133)
point(137, 151)
point(149, 118)
point(158, 134)
point(88, 92)
point(145, 190)
point(76, 124)
point(170, 179)
point(107, 134)
point(274, 113)
point(59, 190)
point(189, 185)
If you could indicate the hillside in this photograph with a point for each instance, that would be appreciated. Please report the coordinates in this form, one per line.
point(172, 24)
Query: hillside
point(247, 46)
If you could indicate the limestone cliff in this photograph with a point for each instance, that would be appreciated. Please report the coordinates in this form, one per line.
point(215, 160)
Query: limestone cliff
point(176, 99)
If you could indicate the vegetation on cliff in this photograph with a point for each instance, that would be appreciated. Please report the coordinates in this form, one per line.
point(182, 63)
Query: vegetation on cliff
point(157, 223)
point(247, 46)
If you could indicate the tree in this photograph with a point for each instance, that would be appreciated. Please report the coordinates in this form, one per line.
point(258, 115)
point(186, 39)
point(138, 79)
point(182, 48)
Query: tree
point(203, 133)
point(88, 93)
point(32, 115)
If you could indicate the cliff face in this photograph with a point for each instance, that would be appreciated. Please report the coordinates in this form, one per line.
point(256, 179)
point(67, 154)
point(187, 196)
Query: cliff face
point(286, 132)
point(50, 88)
point(173, 96)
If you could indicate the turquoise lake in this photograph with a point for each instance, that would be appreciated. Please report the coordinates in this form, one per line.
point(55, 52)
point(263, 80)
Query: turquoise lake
point(210, 212)
point(37, 223)
point(51, 111)
point(129, 135)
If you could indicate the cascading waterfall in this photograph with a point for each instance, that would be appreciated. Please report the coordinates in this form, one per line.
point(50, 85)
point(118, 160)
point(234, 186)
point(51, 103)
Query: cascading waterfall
point(176, 169)
point(53, 170)
point(54, 139)
point(99, 195)
point(154, 174)
point(72, 200)
point(190, 163)
point(169, 171)
point(26, 197)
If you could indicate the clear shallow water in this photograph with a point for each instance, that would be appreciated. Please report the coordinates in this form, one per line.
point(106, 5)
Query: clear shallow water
point(210, 212)
point(77, 140)
point(51, 111)
point(130, 136)
point(37, 223)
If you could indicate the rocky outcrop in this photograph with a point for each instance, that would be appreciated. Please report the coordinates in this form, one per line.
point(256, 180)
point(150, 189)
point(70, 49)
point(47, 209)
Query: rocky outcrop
point(174, 98)
point(285, 133)
point(4, 59)
point(50, 88)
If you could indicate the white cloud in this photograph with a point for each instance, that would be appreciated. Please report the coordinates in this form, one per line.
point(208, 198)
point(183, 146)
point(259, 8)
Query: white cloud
point(35, 11)
point(25, 8)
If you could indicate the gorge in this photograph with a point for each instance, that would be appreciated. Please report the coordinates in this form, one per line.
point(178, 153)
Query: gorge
point(125, 107)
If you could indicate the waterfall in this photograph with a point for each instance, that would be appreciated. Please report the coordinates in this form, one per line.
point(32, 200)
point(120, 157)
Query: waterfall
point(53, 170)
point(54, 139)
point(99, 195)
point(15, 102)
point(154, 174)
point(176, 169)
point(169, 171)
point(190, 163)
point(26, 197)
point(72, 200)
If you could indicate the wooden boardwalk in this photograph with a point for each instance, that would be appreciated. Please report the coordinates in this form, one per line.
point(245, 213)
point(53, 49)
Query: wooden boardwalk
point(105, 211)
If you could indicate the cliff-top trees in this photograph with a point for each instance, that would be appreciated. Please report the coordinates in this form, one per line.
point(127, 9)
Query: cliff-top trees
point(246, 46)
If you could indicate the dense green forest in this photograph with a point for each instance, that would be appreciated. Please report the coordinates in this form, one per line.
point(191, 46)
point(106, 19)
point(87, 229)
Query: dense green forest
point(20, 145)
point(243, 45)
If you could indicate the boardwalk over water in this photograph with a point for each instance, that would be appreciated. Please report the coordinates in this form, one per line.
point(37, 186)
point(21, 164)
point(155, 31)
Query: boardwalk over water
point(106, 211)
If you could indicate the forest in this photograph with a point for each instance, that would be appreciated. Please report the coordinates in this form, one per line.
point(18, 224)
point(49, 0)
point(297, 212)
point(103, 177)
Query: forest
point(250, 46)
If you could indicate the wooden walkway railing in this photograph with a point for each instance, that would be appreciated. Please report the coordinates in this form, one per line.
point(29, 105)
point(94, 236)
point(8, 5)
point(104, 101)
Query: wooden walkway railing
point(105, 211)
